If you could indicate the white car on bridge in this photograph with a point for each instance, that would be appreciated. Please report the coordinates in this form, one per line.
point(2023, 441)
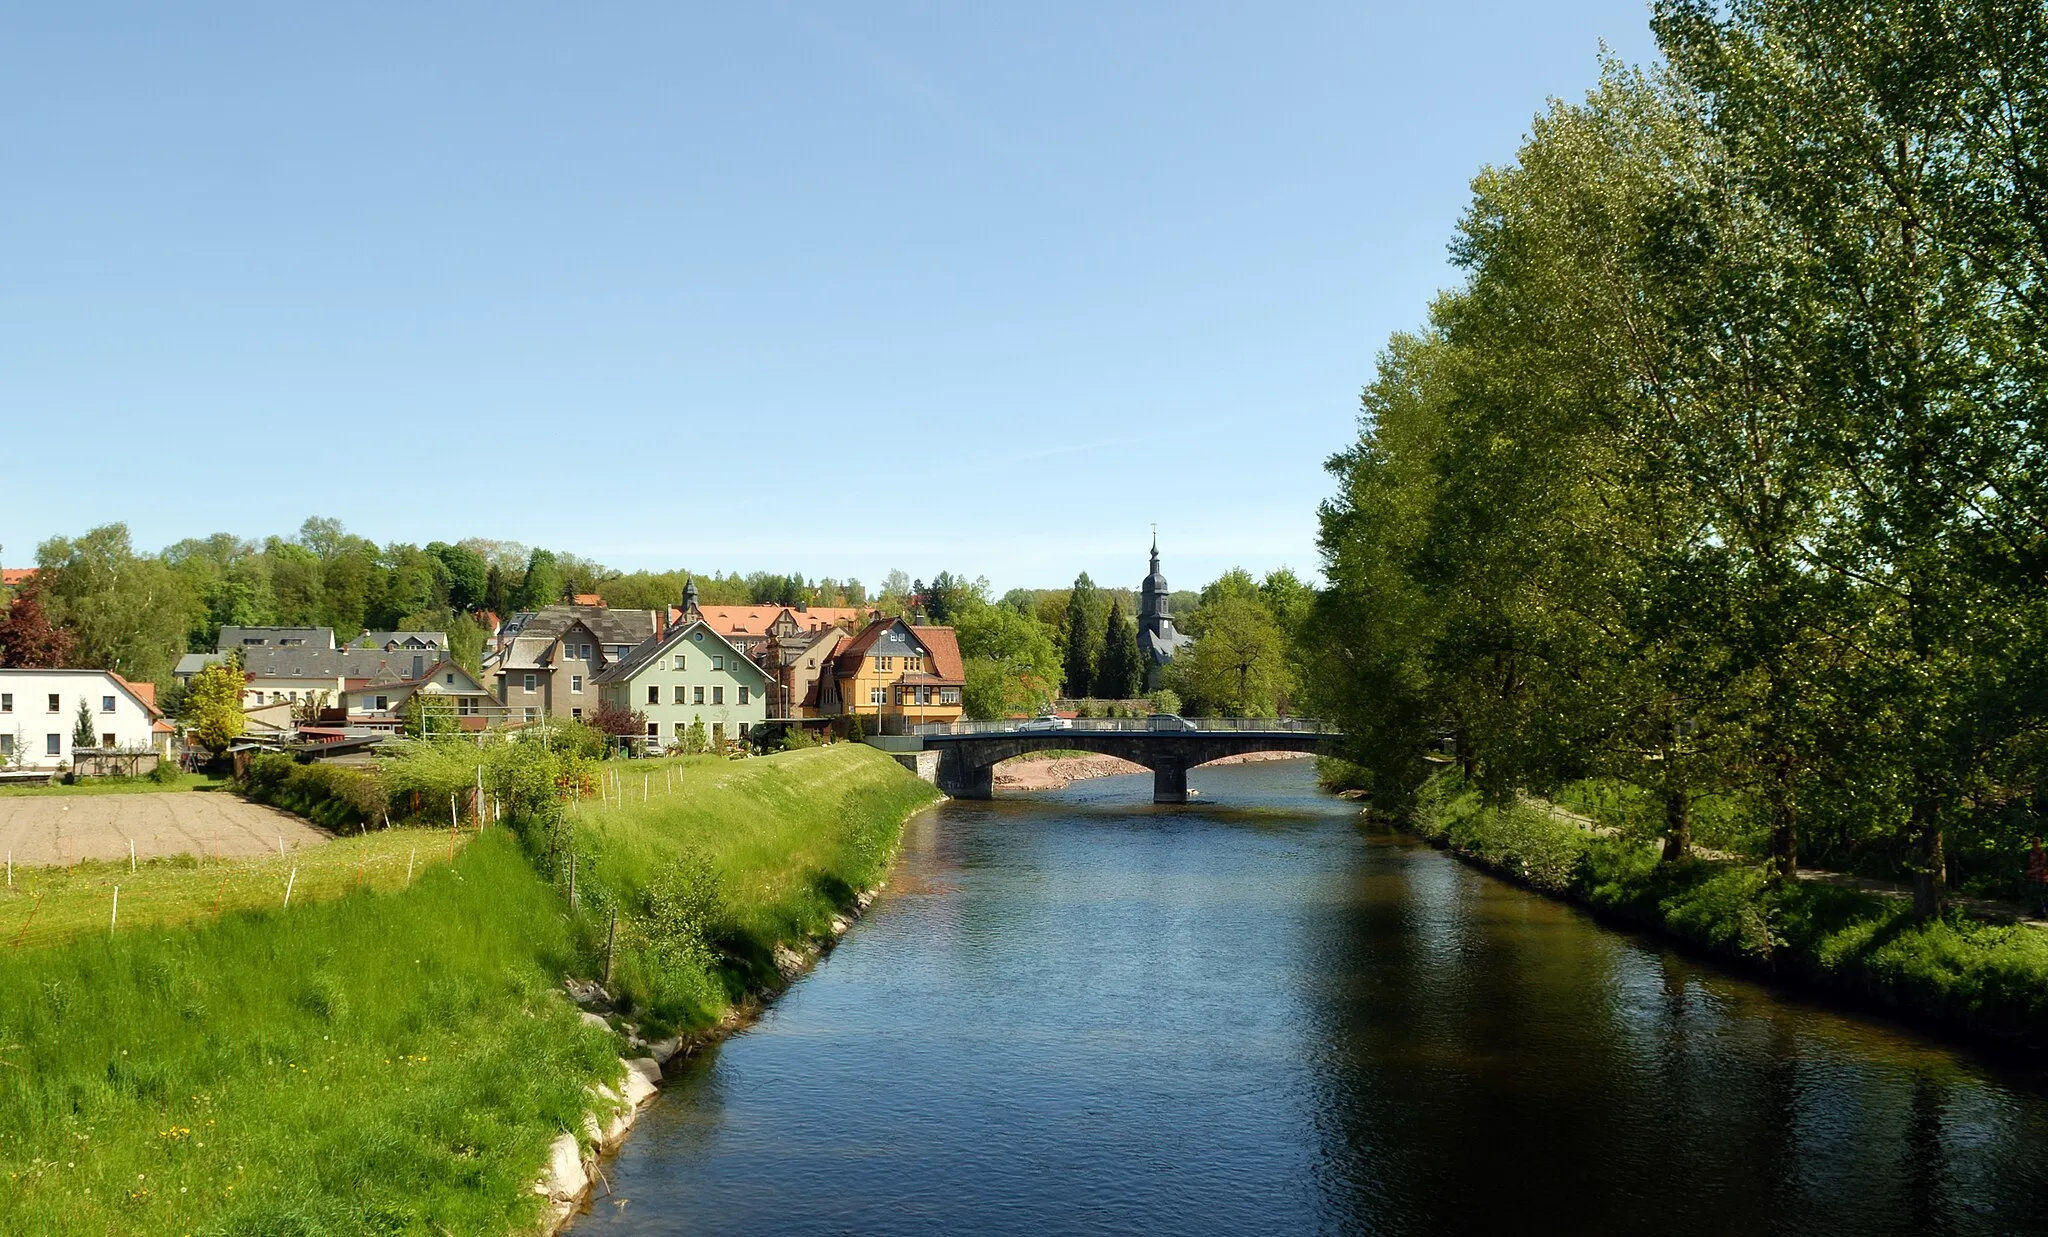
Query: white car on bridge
point(1046, 721)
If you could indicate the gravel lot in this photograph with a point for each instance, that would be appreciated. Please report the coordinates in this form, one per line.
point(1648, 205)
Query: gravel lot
point(62, 829)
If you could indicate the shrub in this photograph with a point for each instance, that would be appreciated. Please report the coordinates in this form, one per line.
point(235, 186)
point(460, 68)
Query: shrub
point(344, 800)
point(166, 772)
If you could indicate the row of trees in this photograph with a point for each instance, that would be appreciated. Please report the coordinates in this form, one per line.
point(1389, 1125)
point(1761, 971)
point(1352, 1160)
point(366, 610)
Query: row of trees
point(1724, 470)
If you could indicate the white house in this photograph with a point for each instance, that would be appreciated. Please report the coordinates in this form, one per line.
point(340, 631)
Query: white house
point(39, 713)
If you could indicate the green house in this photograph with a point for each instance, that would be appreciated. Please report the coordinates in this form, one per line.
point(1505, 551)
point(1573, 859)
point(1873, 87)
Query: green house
point(690, 674)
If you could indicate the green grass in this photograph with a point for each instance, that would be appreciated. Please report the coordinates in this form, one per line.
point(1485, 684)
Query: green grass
point(120, 786)
point(1962, 973)
point(383, 1063)
point(396, 1059)
point(770, 848)
point(48, 906)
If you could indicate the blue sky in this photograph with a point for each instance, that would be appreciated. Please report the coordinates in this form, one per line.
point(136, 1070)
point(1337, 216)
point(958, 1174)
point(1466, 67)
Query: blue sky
point(813, 287)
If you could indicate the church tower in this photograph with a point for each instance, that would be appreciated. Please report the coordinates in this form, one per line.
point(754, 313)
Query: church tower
point(1157, 639)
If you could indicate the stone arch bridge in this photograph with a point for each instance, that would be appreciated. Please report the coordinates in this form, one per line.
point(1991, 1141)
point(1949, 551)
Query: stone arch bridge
point(970, 751)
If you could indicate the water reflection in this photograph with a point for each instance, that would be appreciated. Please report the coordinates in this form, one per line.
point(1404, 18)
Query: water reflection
point(1080, 1013)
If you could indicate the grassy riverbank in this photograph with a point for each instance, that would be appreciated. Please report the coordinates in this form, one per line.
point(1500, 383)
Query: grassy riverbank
point(1982, 978)
point(397, 1059)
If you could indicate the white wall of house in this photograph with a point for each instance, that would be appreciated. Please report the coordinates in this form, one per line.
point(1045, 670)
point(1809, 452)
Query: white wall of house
point(35, 735)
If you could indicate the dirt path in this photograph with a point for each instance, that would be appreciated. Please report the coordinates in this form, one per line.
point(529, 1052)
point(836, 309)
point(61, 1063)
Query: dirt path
point(62, 829)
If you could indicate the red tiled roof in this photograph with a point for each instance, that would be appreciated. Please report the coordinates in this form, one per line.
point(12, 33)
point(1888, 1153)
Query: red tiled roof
point(145, 692)
point(945, 649)
point(589, 599)
point(11, 576)
point(755, 620)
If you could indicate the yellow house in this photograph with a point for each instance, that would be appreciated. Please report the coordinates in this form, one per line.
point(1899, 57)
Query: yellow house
point(896, 675)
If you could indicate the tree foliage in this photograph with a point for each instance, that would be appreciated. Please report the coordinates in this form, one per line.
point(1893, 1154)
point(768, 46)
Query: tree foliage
point(1721, 473)
point(28, 640)
point(213, 705)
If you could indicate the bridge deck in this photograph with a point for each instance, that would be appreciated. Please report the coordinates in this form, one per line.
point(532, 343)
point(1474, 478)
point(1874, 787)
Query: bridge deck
point(969, 752)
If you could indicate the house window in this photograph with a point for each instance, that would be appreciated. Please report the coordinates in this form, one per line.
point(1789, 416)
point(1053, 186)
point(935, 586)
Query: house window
point(576, 683)
point(878, 695)
point(6, 702)
point(108, 741)
point(529, 686)
point(653, 694)
point(882, 663)
point(743, 693)
point(106, 704)
point(698, 636)
point(6, 745)
point(718, 695)
point(681, 730)
point(383, 704)
point(681, 691)
point(679, 661)
point(54, 706)
point(259, 699)
point(949, 695)
point(585, 651)
point(654, 731)
point(531, 714)
point(451, 679)
point(700, 695)
point(718, 662)
point(576, 715)
point(53, 745)
point(466, 706)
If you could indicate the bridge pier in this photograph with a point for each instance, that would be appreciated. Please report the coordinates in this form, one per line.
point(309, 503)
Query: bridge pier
point(960, 780)
point(1170, 782)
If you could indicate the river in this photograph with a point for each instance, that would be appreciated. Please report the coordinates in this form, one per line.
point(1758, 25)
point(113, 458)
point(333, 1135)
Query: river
point(1074, 1011)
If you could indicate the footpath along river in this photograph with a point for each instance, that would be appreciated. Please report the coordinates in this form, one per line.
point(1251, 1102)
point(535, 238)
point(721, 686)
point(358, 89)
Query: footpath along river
point(1074, 1011)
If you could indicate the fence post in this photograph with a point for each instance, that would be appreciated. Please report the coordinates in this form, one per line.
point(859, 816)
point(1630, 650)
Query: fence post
point(408, 866)
point(610, 941)
point(131, 856)
point(115, 918)
point(23, 934)
point(572, 880)
point(289, 882)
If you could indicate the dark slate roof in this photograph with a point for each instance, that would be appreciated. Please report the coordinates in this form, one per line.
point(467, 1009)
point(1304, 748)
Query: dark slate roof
point(655, 647)
point(272, 637)
point(612, 627)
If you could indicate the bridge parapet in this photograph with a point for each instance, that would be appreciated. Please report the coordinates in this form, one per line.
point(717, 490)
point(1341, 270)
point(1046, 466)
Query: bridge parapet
point(969, 752)
point(1140, 725)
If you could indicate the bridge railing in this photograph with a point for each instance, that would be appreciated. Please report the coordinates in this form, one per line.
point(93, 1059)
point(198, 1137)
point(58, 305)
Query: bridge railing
point(1134, 725)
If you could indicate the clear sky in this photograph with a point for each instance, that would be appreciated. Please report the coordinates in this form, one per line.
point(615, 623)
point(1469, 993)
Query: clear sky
point(828, 288)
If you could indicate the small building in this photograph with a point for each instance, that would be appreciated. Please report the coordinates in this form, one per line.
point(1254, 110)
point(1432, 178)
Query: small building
point(691, 674)
point(39, 715)
point(382, 704)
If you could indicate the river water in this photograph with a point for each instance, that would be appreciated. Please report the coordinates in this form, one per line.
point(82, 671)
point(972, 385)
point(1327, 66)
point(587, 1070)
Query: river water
point(1074, 1011)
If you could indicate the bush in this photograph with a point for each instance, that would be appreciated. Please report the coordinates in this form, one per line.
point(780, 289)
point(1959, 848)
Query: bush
point(344, 800)
point(166, 772)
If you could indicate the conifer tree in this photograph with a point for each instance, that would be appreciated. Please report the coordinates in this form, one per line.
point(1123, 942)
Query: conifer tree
point(1117, 674)
point(1082, 638)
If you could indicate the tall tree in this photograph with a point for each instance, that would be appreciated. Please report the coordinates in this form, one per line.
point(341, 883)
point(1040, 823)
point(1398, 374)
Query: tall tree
point(213, 705)
point(542, 585)
point(1083, 632)
point(127, 612)
point(1120, 669)
point(84, 735)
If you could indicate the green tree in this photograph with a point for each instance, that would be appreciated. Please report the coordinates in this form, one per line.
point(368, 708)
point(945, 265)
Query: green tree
point(542, 585)
point(1239, 663)
point(125, 612)
point(84, 735)
point(213, 705)
point(1083, 638)
point(1011, 664)
point(1120, 670)
point(469, 576)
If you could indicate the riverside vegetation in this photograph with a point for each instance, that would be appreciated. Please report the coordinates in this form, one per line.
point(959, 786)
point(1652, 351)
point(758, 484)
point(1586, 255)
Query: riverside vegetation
point(396, 1057)
point(1989, 979)
point(1719, 481)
